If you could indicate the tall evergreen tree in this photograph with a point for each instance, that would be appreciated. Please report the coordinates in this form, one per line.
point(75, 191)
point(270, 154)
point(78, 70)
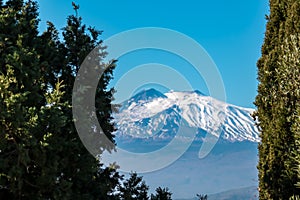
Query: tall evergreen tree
point(41, 155)
point(161, 194)
point(277, 101)
point(134, 188)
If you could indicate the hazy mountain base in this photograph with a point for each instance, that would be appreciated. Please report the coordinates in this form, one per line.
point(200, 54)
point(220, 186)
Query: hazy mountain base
point(230, 165)
point(248, 193)
point(150, 119)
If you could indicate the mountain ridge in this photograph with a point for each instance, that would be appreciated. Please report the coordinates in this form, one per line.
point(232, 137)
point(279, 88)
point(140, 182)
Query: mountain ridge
point(152, 114)
point(148, 122)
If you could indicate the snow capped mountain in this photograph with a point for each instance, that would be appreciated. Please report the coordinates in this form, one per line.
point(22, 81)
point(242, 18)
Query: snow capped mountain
point(151, 120)
point(151, 114)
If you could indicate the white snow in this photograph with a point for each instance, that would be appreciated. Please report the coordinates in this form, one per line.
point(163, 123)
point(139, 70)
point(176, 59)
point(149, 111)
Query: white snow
point(197, 110)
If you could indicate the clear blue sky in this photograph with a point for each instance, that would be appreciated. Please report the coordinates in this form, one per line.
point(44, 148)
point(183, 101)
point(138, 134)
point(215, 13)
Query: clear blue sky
point(230, 31)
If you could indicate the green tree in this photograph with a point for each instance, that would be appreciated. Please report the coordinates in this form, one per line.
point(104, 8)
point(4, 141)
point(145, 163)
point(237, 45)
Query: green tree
point(202, 196)
point(21, 79)
point(277, 102)
point(134, 188)
point(41, 155)
point(161, 194)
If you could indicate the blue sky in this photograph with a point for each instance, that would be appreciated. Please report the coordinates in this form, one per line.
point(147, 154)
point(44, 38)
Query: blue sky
point(230, 31)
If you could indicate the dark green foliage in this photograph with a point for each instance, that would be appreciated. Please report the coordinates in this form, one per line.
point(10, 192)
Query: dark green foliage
point(201, 197)
point(278, 102)
point(161, 194)
point(41, 155)
point(294, 198)
point(134, 188)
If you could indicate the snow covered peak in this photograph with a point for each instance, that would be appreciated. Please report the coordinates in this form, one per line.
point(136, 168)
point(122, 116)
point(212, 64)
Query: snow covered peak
point(147, 95)
point(153, 114)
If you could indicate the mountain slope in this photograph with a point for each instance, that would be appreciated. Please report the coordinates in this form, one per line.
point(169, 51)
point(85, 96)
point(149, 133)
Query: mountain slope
point(151, 114)
point(149, 120)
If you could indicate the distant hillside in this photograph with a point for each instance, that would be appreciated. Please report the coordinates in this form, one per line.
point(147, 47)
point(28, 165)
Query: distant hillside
point(249, 193)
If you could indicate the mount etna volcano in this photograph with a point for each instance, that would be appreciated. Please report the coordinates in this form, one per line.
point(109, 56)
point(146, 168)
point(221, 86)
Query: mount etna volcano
point(150, 119)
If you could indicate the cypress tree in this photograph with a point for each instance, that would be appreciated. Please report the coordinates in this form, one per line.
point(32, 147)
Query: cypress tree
point(277, 102)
